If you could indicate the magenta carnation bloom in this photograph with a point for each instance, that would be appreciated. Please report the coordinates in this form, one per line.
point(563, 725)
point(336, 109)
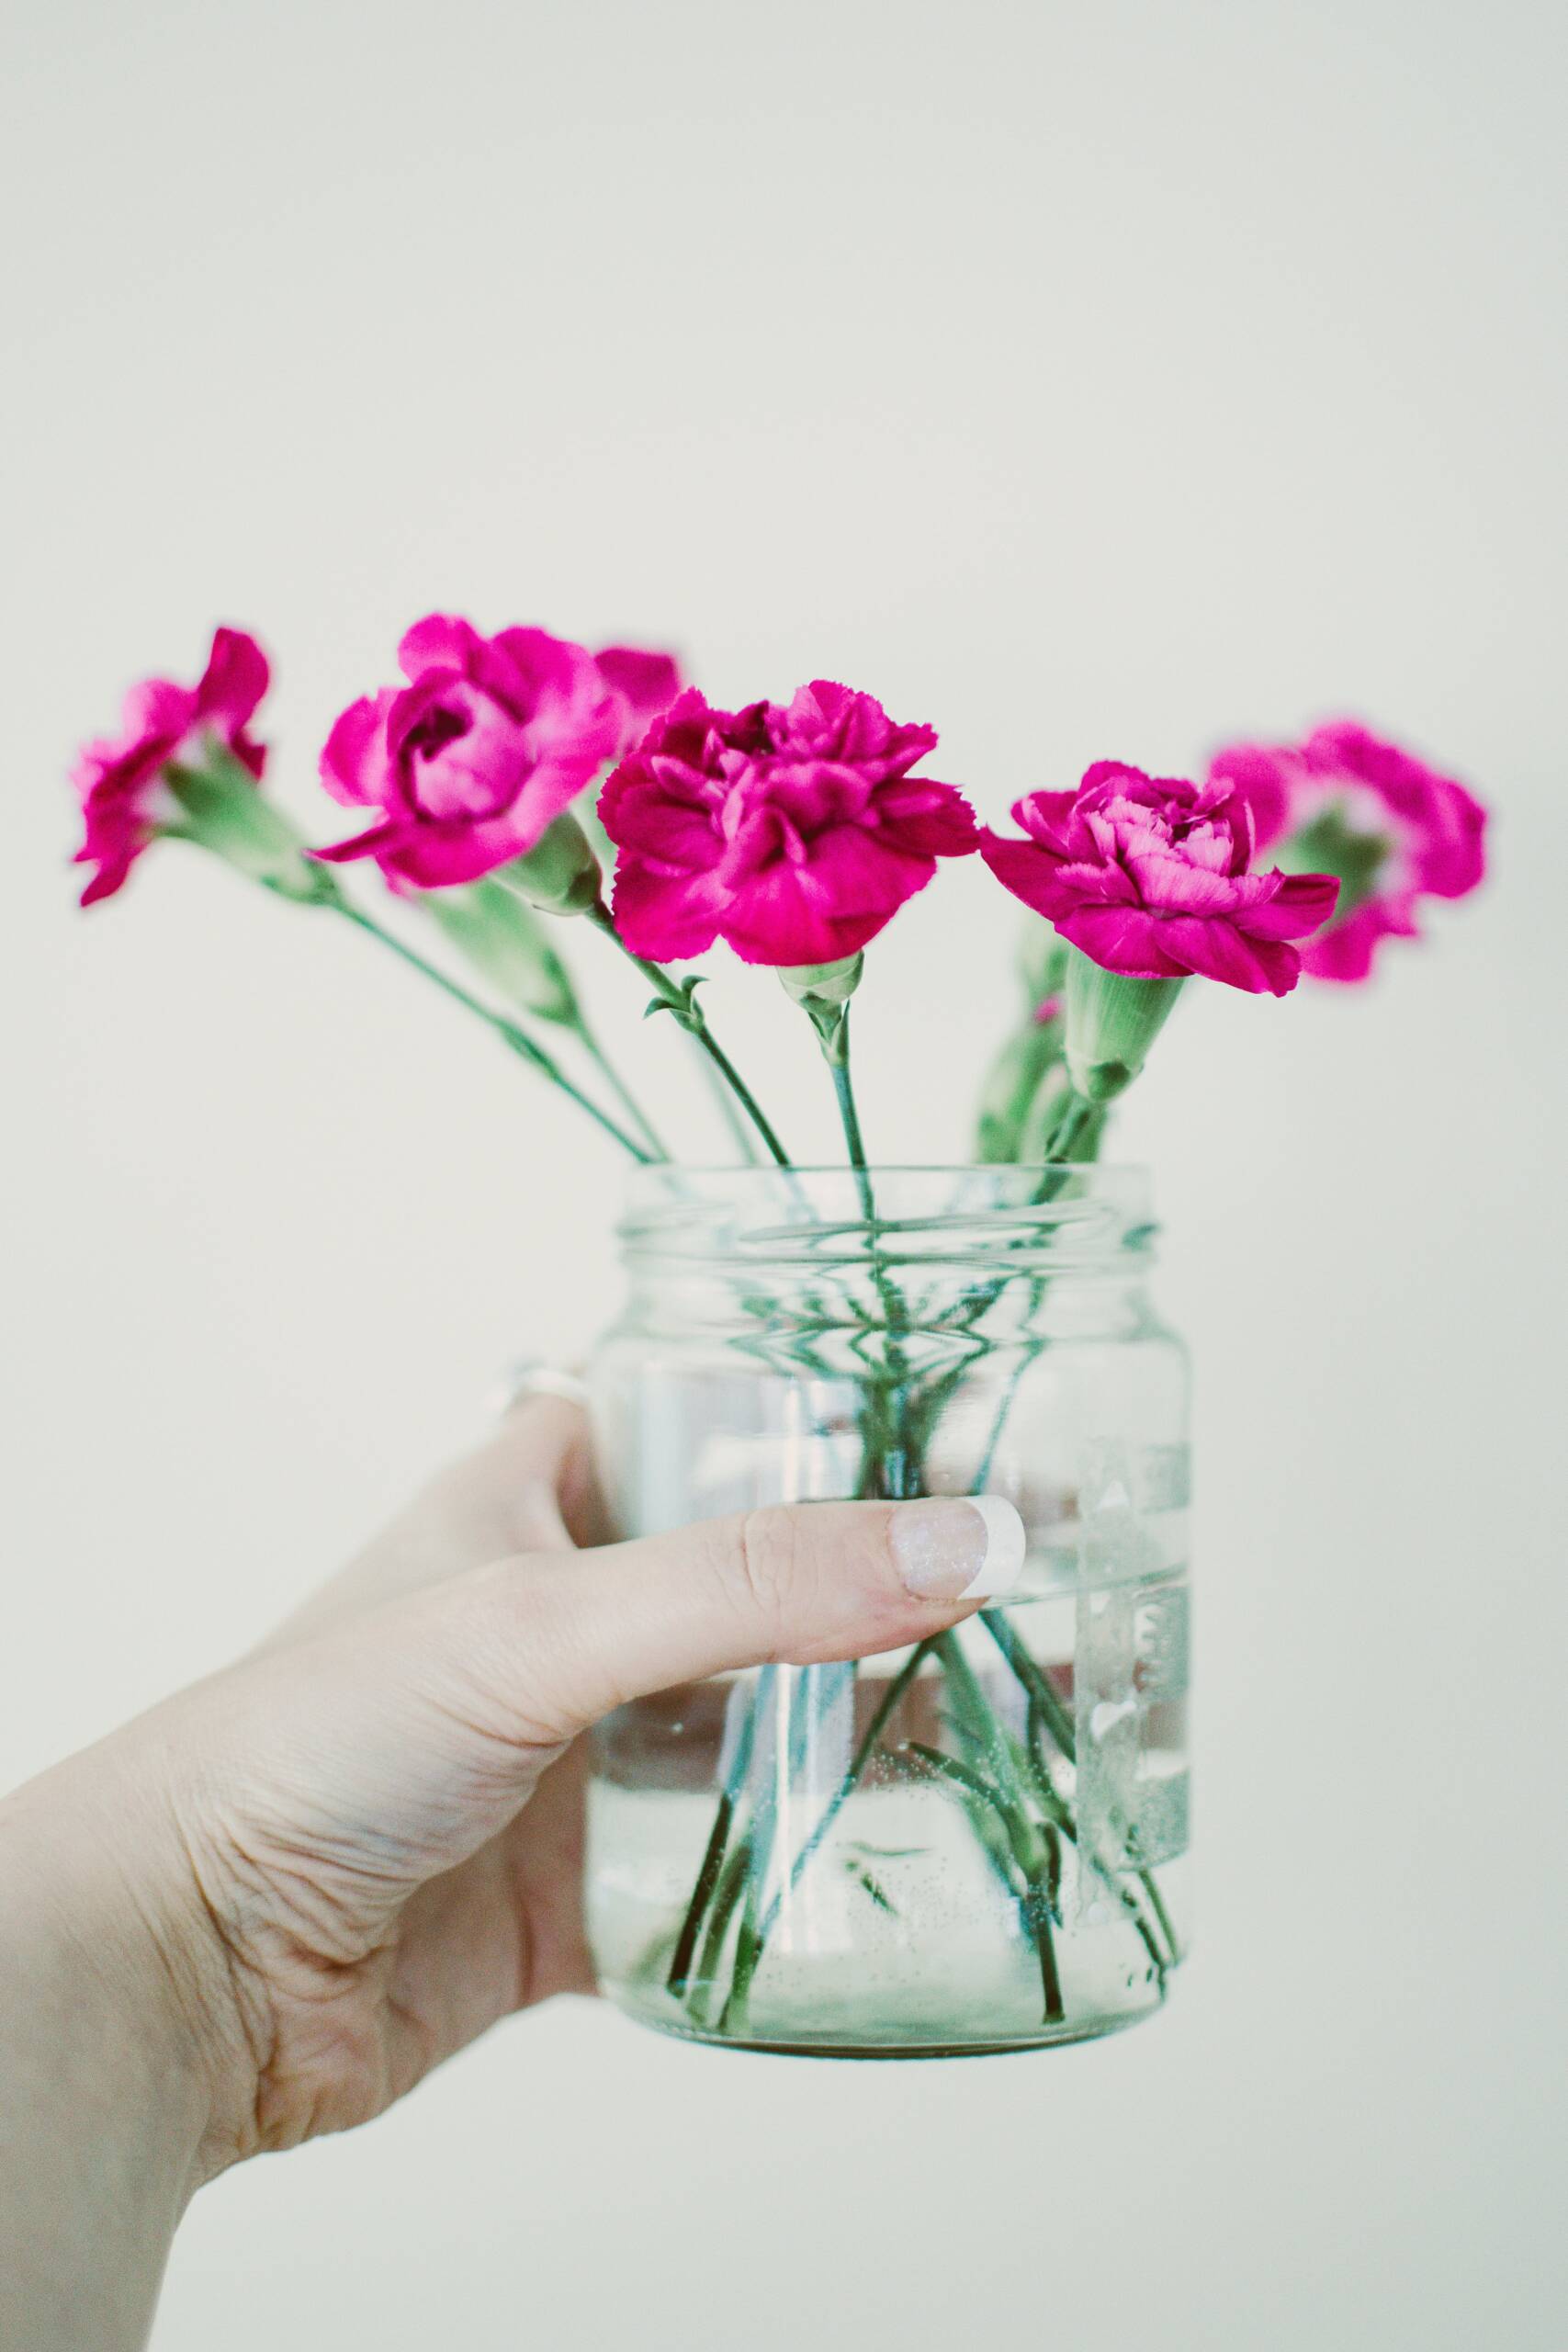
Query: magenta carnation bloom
point(1149, 875)
point(1391, 828)
point(793, 830)
point(120, 781)
point(472, 760)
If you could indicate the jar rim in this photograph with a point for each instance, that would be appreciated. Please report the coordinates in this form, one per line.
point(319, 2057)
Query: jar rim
point(1069, 1215)
point(654, 1178)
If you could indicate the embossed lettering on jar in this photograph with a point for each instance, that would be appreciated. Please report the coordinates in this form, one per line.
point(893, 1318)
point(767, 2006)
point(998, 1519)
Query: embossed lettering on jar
point(974, 1844)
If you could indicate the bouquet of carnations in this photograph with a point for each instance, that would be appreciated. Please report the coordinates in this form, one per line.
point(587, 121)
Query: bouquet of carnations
point(976, 1843)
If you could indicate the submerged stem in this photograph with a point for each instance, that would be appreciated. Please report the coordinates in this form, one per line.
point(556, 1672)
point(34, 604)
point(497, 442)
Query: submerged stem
point(881, 1716)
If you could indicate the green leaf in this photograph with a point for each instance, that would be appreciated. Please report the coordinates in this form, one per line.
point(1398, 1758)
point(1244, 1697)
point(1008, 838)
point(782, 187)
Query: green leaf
point(684, 1012)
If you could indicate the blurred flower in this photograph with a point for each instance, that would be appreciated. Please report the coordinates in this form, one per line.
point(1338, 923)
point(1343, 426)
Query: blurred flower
point(472, 760)
point(646, 682)
point(794, 832)
point(1149, 876)
point(1392, 828)
point(126, 798)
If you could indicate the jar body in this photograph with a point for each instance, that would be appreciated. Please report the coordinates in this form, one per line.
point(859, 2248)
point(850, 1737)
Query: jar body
point(977, 1845)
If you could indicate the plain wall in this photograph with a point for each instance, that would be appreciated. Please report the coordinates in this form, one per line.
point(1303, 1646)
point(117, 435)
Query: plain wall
point(1091, 380)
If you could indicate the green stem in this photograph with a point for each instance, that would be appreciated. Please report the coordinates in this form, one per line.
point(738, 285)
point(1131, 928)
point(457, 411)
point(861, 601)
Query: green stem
point(1047, 1712)
point(748, 1956)
point(1077, 1115)
point(835, 1041)
point(898, 1684)
point(1027, 1357)
point(836, 1048)
point(730, 1797)
point(708, 1879)
point(693, 1021)
point(1036, 1683)
point(621, 1090)
point(1030, 1858)
point(517, 1039)
point(732, 1881)
point(739, 1132)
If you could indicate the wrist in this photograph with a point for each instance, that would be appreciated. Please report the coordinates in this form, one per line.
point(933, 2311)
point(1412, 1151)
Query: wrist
point(107, 1957)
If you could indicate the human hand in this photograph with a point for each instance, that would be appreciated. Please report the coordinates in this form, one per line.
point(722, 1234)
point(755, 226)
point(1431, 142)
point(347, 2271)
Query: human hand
point(342, 1858)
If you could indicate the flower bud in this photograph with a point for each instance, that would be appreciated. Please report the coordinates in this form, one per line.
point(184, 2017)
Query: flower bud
point(222, 810)
point(560, 873)
point(1112, 1020)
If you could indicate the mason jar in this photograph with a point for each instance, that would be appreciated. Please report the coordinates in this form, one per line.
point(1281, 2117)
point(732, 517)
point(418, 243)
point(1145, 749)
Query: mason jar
point(977, 1843)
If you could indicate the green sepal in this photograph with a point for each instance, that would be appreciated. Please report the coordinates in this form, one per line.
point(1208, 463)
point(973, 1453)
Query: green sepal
point(823, 992)
point(1331, 845)
point(1112, 1020)
point(505, 942)
point(225, 810)
point(560, 874)
point(830, 984)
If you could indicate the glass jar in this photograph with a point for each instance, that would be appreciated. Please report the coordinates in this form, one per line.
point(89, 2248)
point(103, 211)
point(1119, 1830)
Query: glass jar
point(975, 1844)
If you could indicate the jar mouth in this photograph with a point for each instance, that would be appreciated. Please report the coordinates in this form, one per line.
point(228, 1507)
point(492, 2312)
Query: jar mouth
point(1066, 1215)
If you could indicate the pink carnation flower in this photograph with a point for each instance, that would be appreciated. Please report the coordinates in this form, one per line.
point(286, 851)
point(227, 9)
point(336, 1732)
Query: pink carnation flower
point(794, 832)
point(490, 739)
point(1149, 875)
point(1393, 829)
point(120, 781)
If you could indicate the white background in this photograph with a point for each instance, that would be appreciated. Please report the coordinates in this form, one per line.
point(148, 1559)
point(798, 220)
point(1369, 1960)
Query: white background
point(1089, 379)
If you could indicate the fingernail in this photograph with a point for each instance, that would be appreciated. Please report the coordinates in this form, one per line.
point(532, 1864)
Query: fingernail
point(960, 1549)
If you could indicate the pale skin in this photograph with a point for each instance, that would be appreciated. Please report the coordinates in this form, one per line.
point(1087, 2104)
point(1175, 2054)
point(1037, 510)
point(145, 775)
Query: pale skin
point(267, 1909)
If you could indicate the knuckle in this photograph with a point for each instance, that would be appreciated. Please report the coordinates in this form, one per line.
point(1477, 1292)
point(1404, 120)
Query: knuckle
point(768, 1555)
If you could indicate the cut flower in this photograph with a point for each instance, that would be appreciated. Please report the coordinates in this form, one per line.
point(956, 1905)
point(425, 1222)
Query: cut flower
point(126, 801)
point(1150, 876)
point(794, 832)
point(488, 741)
point(1392, 828)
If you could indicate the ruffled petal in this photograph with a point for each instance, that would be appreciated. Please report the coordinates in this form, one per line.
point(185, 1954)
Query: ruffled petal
point(1123, 939)
point(928, 819)
point(1301, 903)
point(1219, 951)
point(1031, 874)
point(661, 916)
point(1267, 780)
point(353, 758)
point(440, 641)
point(233, 683)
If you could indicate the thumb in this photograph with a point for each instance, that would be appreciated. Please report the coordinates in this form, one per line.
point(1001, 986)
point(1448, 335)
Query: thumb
point(557, 1640)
